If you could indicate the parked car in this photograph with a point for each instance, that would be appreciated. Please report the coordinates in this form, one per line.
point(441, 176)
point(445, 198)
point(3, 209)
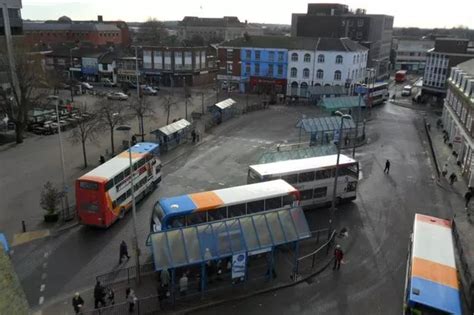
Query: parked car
point(117, 96)
point(109, 83)
point(148, 90)
point(87, 85)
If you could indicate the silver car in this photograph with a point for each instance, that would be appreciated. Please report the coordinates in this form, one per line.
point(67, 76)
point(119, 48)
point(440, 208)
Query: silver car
point(119, 96)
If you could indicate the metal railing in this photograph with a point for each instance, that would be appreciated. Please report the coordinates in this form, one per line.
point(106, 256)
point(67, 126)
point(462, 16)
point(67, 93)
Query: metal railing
point(123, 274)
point(326, 245)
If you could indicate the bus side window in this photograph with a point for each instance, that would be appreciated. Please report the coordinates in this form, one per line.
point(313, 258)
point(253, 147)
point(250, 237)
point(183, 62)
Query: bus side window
point(177, 222)
point(288, 200)
point(196, 218)
point(236, 210)
point(216, 214)
point(321, 175)
point(118, 178)
point(255, 206)
point(109, 185)
point(306, 177)
point(306, 194)
point(126, 173)
point(273, 203)
point(320, 192)
point(290, 179)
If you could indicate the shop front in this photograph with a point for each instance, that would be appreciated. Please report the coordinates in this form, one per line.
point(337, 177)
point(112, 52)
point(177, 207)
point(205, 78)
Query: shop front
point(263, 85)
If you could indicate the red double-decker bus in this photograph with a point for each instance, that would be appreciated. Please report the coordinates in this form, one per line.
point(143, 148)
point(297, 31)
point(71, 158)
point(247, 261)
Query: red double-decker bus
point(105, 194)
point(401, 76)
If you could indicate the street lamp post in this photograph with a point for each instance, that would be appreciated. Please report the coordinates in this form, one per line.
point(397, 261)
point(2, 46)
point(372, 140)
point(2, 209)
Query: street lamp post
point(359, 90)
point(70, 72)
point(63, 168)
point(333, 203)
point(126, 130)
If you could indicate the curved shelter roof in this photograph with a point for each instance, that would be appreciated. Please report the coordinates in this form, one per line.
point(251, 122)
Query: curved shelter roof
point(219, 239)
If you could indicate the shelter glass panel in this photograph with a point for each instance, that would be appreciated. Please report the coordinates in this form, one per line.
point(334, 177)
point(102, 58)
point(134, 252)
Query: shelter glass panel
point(275, 227)
point(262, 230)
point(222, 238)
point(208, 244)
point(301, 224)
point(236, 237)
point(161, 254)
point(192, 244)
point(250, 235)
point(286, 222)
point(176, 245)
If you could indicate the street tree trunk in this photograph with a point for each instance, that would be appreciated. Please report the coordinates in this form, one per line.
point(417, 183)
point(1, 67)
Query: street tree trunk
point(112, 140)
point(168, 116)
point(19, 129)
point(142, 128)
point(84, 153)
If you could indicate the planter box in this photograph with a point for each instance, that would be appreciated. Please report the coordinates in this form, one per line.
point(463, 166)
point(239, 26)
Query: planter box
point(51, 217)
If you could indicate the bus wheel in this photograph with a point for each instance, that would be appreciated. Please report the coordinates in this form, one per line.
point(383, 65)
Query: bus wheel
point(122, 213)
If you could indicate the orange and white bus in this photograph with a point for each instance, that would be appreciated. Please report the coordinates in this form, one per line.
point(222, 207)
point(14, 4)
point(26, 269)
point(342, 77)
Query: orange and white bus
point(104, 194)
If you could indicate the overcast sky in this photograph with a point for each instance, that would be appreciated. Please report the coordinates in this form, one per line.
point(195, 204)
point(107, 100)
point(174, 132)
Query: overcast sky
point(421, 13)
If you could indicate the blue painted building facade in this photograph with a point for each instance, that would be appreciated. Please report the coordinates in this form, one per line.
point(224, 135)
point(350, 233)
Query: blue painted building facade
point(263, 70)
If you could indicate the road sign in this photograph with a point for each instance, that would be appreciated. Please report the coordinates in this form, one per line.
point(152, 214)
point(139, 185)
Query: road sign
point(359, 89)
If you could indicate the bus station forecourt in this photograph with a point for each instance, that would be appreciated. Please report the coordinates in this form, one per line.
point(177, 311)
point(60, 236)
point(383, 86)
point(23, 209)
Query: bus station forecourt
point(199, 170)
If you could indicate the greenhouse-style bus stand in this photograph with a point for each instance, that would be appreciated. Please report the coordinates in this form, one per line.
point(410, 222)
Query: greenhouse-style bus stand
point(172, 135)
point(193, 257)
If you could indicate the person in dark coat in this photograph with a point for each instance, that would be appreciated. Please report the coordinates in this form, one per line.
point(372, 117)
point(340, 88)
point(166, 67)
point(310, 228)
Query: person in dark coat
point(123, 251)
point(452, 178)
point(99, 294)
point(77, 302)
point(193, 135)
point(102, 159)
point(467, 197)
point(338, 256)
point(387, 167)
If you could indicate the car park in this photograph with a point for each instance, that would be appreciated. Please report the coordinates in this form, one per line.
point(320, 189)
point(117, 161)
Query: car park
point(119, 96)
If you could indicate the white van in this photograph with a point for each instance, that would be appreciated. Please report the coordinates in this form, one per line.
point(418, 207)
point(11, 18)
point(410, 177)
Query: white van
point(407, 90)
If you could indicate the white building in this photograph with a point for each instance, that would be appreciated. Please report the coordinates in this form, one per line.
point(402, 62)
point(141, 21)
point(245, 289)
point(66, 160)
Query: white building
point(458, 118)
point(410, 54)
point(324, 62)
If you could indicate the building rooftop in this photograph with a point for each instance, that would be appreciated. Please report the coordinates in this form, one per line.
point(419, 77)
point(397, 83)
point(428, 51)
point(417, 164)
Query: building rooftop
point(84, 27)
point(467, 66)
point(211, 22)
point(310, 43)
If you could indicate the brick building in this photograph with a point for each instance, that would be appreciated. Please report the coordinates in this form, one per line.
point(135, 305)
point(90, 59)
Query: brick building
point(67, 31)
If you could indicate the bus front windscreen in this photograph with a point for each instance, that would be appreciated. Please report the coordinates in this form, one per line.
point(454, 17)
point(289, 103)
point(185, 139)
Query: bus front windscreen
point(253, 177)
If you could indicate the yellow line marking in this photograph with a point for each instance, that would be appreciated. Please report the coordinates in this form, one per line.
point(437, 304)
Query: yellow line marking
point(21, 238)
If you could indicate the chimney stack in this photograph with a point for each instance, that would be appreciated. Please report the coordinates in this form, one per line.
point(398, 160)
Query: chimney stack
point(100, 19)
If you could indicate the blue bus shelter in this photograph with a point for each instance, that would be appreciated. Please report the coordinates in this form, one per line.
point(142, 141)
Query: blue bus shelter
point(324, 130)
point(236, 237)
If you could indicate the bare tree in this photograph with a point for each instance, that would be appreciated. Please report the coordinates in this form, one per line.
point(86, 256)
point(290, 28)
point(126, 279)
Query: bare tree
point(141, 107)
point(152, 32)
point(112, 114)
point(168, 102)
point(86, 130)
point(16, 102)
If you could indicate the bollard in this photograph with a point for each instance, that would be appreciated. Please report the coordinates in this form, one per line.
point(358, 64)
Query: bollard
point(23, 226)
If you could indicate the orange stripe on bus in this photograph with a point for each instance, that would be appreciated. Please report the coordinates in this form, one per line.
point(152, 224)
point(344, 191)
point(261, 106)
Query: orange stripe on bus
point(92, 178)
point(433, 220)
point(206, 200)
point(435, 272)
point(125, 154)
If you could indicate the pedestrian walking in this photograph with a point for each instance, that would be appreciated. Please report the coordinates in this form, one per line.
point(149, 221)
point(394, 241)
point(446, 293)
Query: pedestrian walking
point(99, 294)
point(131, 299)
point(452, 178)
point(183, 284)
point(197, 136)
point(110, 295)
point(165, 278)
point(77, 302)
point(193, 135)
point(387, 167)
point(338, 256)
point(123, 251)
point(468, 196)
point(444, 172)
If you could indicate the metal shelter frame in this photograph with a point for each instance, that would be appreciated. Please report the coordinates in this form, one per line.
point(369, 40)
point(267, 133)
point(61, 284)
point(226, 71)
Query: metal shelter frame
point(223, 110)
point(250, 234)
point(298, 153)
point(324, 130)
point(172, 135)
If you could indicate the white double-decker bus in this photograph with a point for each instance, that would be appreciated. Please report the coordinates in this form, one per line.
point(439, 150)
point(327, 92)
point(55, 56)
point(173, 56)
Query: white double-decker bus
point(313, 177)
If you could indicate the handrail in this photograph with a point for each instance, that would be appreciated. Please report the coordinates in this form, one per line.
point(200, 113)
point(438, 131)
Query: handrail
point(320, 248)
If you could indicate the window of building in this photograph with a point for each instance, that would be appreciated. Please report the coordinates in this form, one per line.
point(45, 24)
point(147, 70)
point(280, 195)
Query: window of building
point(271, 56)
point(339, 59)
point(337, 75)
point(294, 57)
point(270, 70)
point(357, 59)
point(105, 67)
point(293, 72)
point(307, 58)
point(305, 73)
point(280, 70)
point(257, 69)
point(257, 54)
point(247, 68)
point(320, 74)
point(360, 23)
point(248, 54)
point(321, 58)
point(281, 56)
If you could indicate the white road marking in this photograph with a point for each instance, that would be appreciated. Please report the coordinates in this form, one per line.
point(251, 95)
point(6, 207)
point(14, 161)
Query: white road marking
point(45, 264)
point(44, 276)
point(46, 255)
point(42, 287)
point(41, 300)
